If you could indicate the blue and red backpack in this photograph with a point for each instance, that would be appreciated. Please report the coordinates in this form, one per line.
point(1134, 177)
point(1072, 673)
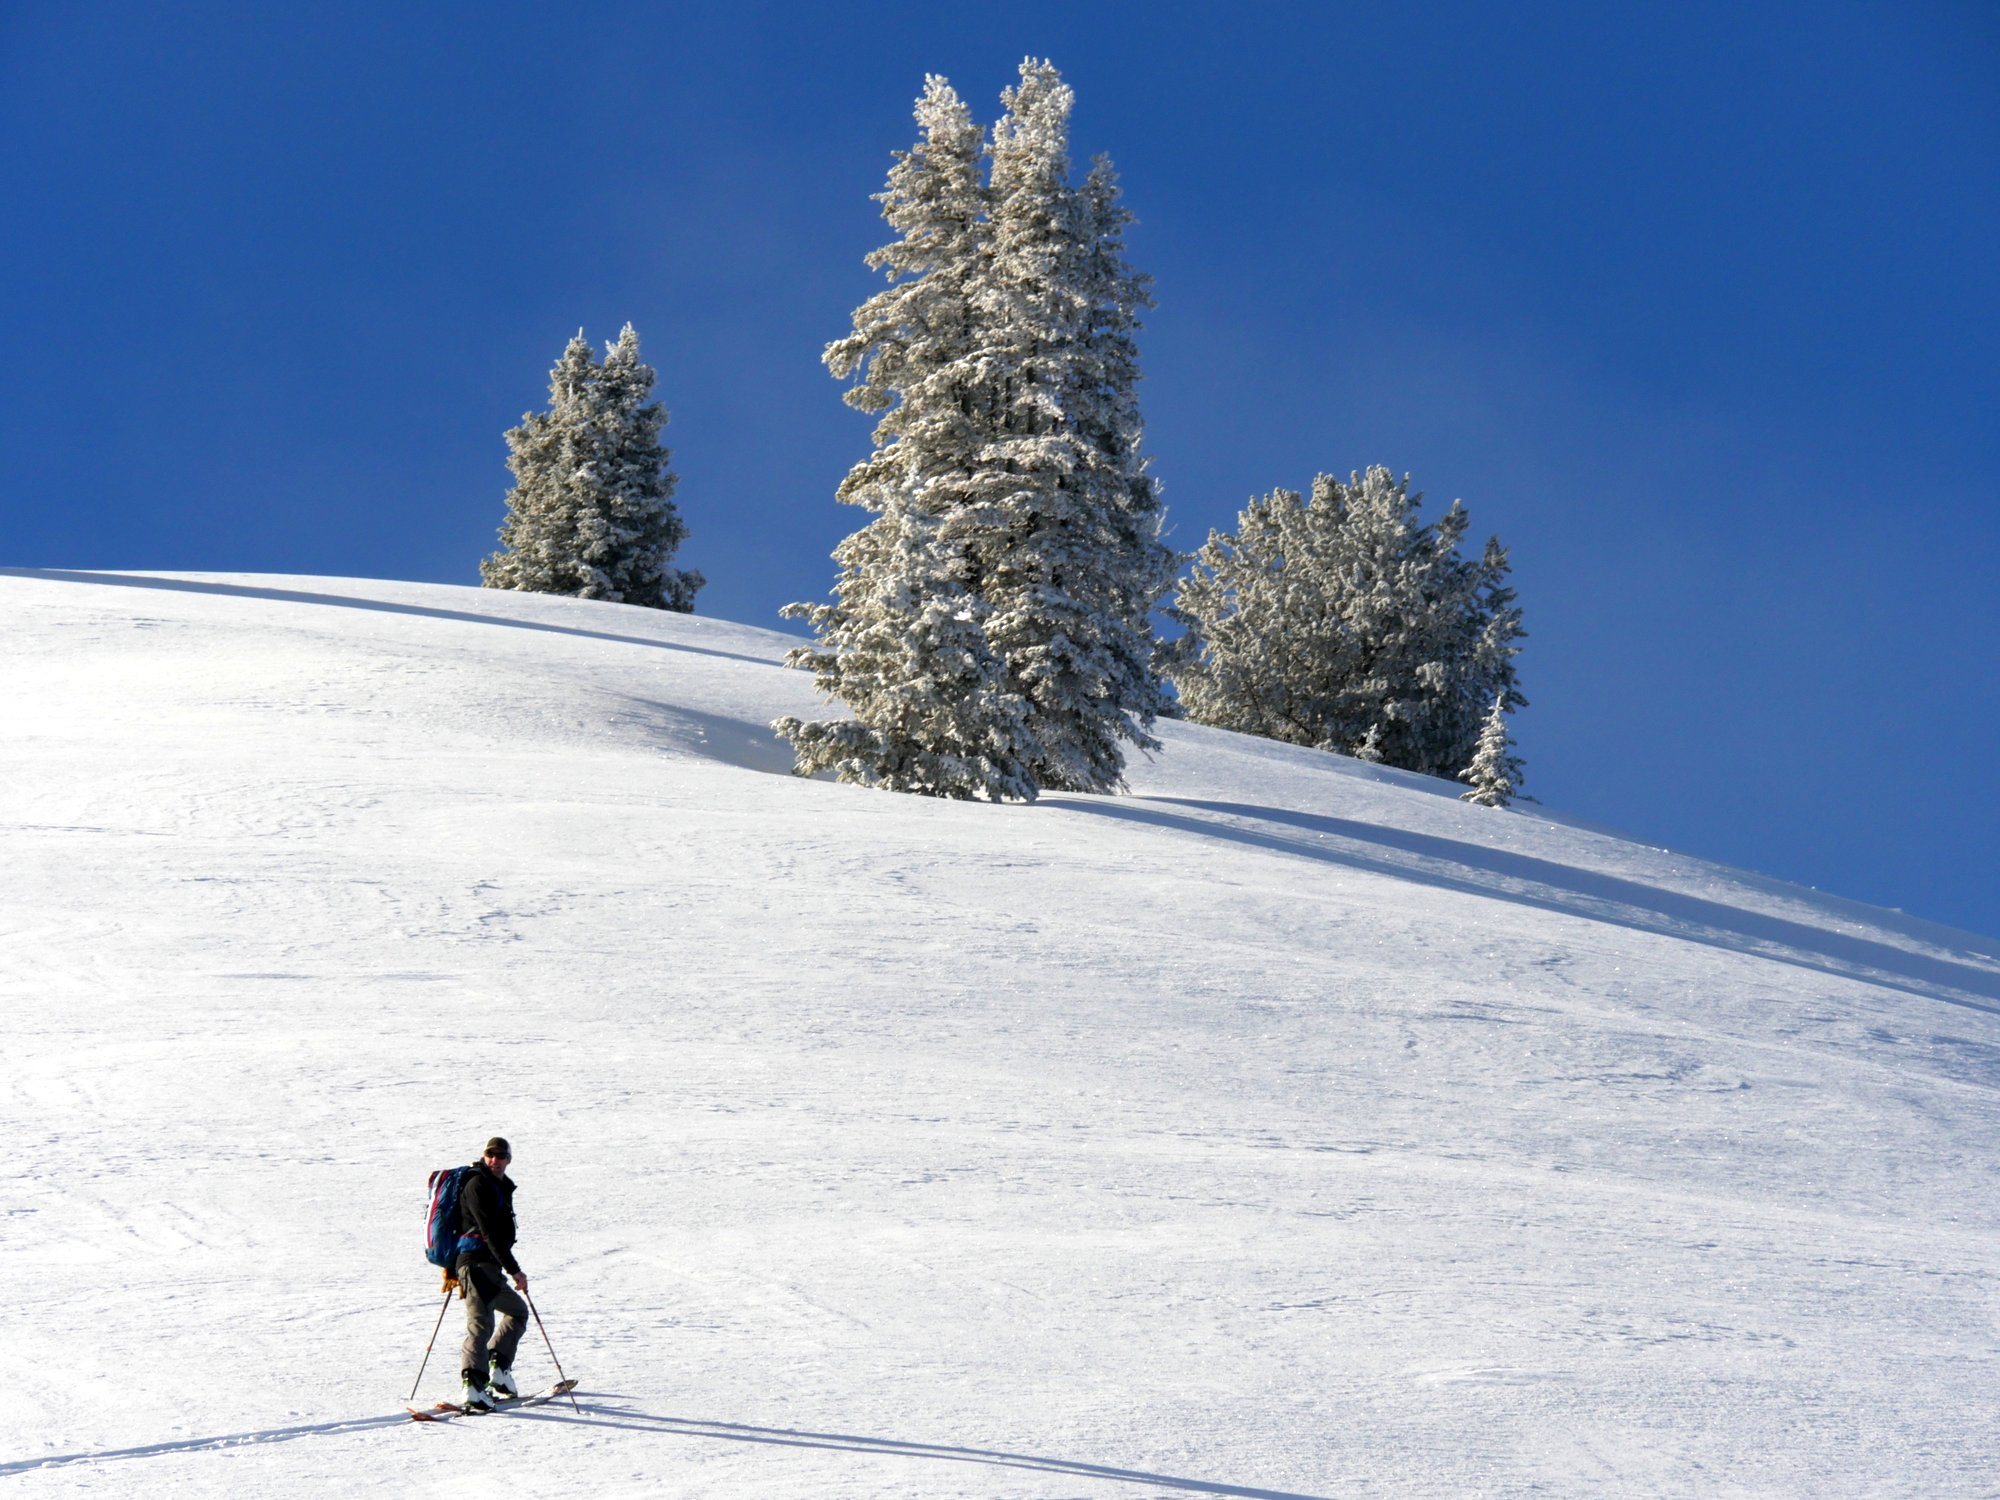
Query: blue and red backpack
point(441, 1237)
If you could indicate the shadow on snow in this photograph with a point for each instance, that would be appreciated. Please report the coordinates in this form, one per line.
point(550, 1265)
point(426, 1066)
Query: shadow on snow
point(595, 1413)
point(379, 606)
point(1475, 869)
point(206, 1444)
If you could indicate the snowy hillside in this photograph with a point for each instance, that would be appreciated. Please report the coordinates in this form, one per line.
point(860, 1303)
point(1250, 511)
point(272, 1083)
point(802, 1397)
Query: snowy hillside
point(1284, 1129)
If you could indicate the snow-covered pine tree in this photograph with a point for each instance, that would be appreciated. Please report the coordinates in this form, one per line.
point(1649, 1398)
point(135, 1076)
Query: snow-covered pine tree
point(1349, 624)
point(550, 455)
point(1143, 564)
point(1068, 539)
point(642, 528)
point(991, 630)
point(903, 644)
point(1495, 775)
point(591, 513)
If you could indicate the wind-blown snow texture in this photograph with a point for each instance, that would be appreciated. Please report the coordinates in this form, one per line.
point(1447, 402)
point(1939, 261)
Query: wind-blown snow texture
point(1289, 1128)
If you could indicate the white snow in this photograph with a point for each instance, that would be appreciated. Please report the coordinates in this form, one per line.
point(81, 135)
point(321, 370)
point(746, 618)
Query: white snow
point(1288, 1128)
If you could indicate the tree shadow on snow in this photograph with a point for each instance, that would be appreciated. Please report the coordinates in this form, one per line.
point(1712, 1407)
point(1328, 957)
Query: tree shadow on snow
point(596, 1413)
point(379, 606)
point(1475, 869)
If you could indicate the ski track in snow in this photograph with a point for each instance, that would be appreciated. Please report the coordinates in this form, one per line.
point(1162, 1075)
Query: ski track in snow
point(1286, 1128)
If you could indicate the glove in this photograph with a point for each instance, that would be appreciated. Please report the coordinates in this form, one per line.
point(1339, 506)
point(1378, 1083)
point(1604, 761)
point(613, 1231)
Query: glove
point(451, 1285)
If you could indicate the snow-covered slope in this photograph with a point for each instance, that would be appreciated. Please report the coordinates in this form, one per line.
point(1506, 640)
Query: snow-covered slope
point(1286, 1128)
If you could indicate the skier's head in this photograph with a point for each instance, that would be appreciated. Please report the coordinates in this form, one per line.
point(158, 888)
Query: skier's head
point(497, 1153)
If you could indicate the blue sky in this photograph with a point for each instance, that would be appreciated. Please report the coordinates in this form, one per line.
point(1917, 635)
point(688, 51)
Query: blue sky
point(1694, 306)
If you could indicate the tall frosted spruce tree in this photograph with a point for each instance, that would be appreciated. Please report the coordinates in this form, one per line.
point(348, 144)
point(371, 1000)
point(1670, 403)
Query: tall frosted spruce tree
point(1074, 563)
point(591, 513)
point(990, 632)
point(1350, 624)
point(904, 643)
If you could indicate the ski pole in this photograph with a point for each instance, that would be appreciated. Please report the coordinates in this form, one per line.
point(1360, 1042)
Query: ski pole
point(552, 1348)
point(434, 1338)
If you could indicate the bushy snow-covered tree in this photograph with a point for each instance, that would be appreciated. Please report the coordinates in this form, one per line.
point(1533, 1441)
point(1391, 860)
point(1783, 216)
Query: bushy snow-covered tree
point(1495, 775)
point(991, 630)
point(1350, 624)
point(591, 512)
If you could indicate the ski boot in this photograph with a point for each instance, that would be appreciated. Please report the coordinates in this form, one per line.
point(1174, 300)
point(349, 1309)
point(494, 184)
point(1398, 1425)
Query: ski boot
point(501, 1383)
point(474, 1396)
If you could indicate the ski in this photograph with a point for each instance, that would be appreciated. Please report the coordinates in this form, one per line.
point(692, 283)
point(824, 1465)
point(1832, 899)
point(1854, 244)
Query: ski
point(444, 1411)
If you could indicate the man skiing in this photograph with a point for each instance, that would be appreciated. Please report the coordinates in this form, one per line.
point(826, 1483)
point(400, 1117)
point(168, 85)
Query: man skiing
point(485, 1251)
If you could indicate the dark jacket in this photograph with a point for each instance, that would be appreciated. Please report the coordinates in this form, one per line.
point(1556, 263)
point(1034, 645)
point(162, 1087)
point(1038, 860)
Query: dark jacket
point(486, 1220)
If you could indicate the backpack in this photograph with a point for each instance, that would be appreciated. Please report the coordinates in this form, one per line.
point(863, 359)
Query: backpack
point(441, 1228)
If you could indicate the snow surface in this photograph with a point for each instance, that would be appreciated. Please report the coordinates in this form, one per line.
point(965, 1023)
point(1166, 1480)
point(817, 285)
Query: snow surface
point(1288, 1128)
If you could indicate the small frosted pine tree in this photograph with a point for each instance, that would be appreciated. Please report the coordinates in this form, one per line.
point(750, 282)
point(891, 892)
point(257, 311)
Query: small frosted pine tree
point(1495, 775)
point(591, 513)
point(1349, 624)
